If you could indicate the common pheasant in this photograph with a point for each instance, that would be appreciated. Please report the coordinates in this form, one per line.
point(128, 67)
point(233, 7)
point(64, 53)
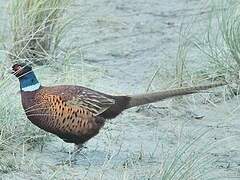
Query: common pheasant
point(76, 113)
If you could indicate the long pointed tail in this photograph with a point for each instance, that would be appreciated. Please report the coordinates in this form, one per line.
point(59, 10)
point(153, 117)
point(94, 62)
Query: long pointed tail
point(136, 100)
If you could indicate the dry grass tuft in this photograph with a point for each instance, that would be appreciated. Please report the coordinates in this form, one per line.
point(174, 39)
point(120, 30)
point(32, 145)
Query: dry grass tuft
point(36, 29)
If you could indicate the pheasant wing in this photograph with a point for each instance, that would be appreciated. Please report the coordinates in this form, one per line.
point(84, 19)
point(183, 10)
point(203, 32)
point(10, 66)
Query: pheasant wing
point(93, 101)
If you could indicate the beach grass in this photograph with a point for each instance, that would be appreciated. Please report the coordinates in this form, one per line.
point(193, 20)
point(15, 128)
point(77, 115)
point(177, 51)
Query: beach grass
point(37, 28)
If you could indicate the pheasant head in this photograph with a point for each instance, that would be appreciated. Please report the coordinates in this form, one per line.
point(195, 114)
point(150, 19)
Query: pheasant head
point(28, 80)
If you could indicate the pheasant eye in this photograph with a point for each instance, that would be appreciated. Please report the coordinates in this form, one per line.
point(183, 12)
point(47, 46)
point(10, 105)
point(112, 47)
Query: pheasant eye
point(18, 68)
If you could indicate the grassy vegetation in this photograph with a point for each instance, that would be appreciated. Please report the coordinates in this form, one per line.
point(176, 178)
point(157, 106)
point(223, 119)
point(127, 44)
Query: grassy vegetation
point(184, 43)
point(189, 160)
point(37, 28)
point(221, 43)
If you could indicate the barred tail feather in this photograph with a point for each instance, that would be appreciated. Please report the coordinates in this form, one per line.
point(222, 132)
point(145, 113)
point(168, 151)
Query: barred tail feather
point(137, 100)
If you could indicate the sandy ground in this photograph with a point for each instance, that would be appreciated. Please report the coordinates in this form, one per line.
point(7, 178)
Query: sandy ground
point(123, 43)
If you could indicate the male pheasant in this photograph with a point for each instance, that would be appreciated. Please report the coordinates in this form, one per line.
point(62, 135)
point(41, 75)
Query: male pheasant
point(75, 113)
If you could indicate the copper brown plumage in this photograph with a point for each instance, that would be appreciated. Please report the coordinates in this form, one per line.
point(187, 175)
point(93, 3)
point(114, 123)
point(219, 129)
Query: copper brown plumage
point(76, 113)
point(73, 113)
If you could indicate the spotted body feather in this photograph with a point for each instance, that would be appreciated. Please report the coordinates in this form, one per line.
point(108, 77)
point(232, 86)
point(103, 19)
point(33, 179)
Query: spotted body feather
point(71, 112)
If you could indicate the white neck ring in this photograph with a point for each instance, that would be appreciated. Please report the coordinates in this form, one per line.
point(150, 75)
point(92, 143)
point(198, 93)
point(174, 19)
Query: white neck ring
point(31, 88)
